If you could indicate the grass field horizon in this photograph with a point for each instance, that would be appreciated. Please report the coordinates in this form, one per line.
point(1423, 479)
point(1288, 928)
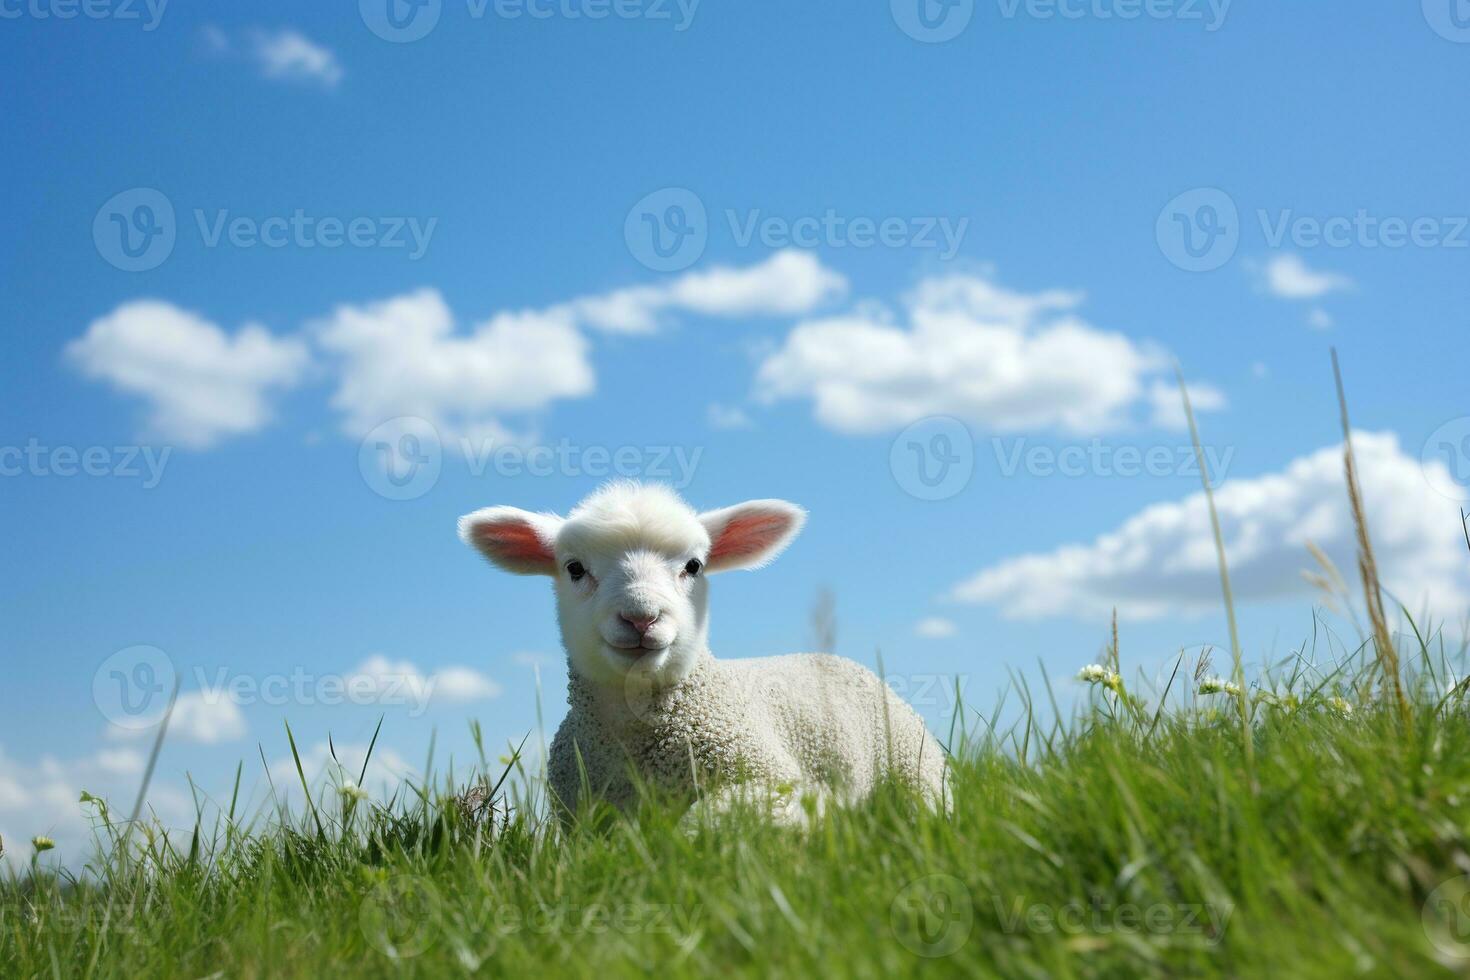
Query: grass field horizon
point(1311, 818)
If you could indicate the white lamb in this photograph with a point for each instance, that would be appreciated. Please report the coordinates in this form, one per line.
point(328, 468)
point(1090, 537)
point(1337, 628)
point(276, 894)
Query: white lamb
point(630, 565)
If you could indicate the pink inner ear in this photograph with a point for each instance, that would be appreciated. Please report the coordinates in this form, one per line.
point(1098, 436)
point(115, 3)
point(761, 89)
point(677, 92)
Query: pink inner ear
point(514, 541)
point(749, 534)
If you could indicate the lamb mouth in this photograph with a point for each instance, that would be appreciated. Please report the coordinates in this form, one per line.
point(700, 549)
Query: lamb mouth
point(636, 650)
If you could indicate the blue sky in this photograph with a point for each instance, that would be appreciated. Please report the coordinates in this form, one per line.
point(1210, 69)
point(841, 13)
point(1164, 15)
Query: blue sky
point(1035, 176)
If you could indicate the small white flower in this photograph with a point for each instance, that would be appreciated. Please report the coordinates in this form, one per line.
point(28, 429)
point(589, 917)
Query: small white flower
point(42, 844)
point(1218, 685)
point(351, 791)
point(1094, 674)
point(1340, 706)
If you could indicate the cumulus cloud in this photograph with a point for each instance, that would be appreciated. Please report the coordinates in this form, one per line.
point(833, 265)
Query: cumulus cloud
point(1166, 407)
point(202, 385)
point(935, 628)
point(381, 680)
point(1288, 277)
point(999, 359)
point(789, 283)
point(284, 55)
point(727, 417)
point(1162, 561)
point(43, 796)
point(206, 717)
point(403, 357)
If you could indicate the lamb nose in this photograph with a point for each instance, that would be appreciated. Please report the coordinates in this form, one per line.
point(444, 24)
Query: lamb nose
point(639, 623)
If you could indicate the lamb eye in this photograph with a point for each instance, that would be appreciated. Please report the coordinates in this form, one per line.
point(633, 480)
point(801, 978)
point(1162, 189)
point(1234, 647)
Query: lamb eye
point(693, 567)
point(576, 570)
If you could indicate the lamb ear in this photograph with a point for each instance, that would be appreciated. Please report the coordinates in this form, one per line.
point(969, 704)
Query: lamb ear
point(751, 534)
point(516, 540)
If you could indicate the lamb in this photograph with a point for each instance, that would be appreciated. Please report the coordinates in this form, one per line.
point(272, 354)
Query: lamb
point(646, 695)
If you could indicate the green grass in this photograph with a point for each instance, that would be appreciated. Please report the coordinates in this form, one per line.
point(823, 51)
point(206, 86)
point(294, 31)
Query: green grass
point(1126, 841)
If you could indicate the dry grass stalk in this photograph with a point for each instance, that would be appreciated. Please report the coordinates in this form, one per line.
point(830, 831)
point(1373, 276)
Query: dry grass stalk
point(1388, 657)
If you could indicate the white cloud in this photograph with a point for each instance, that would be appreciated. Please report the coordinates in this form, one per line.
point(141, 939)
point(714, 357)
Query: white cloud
point(379, 679)
point(287, 55)
point(124, 762)
point(727, 417)
point(1288, 277)
point(284, 55)
point(1166, 406)
point(402, 357)
point(206, 717)
point(999, 359)
point(1319, 319)
point(202, 385)
point(43, 797)
point(1162, 561)
point(935, 628)
point(789, 283)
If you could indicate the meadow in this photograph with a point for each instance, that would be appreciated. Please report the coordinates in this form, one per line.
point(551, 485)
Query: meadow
point(1310, 820)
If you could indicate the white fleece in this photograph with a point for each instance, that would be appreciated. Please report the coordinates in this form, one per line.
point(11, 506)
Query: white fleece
point(805, 722)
